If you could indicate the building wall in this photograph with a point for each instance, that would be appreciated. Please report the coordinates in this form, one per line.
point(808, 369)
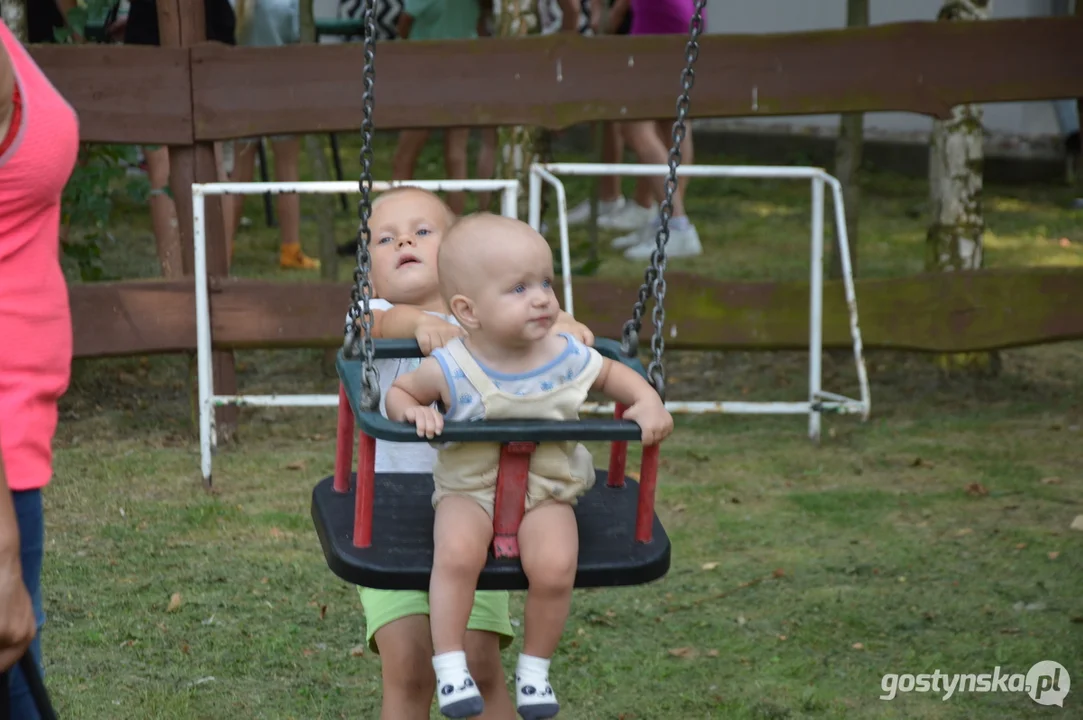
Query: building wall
point(1031, 120)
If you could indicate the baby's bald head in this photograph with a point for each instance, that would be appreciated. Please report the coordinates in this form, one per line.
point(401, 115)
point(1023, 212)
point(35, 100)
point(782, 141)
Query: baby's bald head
point(482, 247)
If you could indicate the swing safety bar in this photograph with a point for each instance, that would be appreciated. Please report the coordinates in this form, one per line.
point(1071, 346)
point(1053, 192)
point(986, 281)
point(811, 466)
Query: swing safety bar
point(819, 401)
point(208, 440)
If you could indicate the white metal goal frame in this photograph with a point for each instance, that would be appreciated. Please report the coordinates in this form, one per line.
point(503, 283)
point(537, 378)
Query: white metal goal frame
point(208, 400)
point(819, 400)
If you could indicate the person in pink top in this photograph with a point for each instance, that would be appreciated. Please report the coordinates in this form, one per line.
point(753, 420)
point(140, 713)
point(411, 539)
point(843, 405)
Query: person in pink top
point(39, 141)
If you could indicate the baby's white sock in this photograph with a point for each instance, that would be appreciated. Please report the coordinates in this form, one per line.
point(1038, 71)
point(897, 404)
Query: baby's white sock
point(534, 697)
point(456, 691)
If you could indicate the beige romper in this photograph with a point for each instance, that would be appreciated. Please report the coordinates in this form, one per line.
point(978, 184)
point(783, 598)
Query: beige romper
point(560, 471)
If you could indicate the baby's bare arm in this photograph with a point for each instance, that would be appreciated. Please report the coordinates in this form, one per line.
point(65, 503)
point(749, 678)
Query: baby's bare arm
point(420, 388)
point(622, 384)
point(400, 321)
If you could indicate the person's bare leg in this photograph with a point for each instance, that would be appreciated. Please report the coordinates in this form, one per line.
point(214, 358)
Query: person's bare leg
point(287, 158)
point(163, 213)
point(609, 186)
point(483, 657)
point(549, 552)
point(688, 150)
point(486, 164)
point(406, 663)
point(462, 531)
point(642, 137)
point(244, 168)
point(407, 152)
point(455, 164)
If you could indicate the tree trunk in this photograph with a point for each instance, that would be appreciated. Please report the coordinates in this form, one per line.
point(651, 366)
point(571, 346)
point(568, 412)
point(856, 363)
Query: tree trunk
point(13, 13)
point(517, 145)
point(954, 240)
point(848, 157)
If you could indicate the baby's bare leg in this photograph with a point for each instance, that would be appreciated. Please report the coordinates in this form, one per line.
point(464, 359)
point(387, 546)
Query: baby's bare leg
point(461, 536)
point(549, 549)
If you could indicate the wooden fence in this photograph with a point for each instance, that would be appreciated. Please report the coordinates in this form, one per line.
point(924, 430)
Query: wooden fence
point(188, 94)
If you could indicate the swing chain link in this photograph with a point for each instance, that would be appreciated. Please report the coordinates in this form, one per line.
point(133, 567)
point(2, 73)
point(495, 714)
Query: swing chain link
point(654, 281)
point(360, 295)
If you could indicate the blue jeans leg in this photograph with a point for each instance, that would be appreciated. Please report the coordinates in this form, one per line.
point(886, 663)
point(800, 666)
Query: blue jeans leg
point(31, 519)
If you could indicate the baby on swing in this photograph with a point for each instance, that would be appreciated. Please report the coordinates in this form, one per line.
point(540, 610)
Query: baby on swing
point(496, 276)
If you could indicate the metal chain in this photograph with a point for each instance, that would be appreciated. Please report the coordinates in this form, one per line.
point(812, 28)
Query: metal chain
point(361, 294)
point(654, 280)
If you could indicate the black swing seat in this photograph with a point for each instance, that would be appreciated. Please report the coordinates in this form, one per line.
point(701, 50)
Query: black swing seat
point(401, 553)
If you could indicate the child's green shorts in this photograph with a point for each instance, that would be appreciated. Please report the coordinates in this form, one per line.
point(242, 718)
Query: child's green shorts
point(489, 614)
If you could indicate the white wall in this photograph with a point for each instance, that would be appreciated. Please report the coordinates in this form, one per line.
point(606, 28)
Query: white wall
point(766, 16)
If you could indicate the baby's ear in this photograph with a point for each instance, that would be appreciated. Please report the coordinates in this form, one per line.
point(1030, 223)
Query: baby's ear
point(462, 308)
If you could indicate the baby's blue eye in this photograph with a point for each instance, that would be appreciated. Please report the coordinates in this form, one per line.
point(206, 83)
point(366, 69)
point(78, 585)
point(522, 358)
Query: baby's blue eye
point(520, 288)
point(424, 231)
point(546, 284)
point(385, 239)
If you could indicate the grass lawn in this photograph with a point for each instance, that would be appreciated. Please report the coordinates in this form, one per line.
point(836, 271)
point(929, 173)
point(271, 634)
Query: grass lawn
point(936, 536)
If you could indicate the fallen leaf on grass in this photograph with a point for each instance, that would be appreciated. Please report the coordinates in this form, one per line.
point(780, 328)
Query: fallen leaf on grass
point(276, 533)
point(680, 508)
point(858, 646)
point(1020, 546)
point(1051, 481)
point(174, 603)
point(357, 651)
point(779, 572)
point(712, 653)
point(632, 474)
point(963, 531)
point(296, 465)
point(683, 652)
point(709, 566)
point(976, 489)
point(1077, 524)
point(323, 611)
point(918, 462)
point(781, 637)
point(1054, 555)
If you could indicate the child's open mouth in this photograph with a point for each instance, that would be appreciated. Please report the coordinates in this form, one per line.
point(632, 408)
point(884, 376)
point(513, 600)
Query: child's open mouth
point(407, 260)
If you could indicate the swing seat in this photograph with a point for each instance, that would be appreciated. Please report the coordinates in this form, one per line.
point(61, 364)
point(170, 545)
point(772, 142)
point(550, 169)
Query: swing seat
point(381, 537)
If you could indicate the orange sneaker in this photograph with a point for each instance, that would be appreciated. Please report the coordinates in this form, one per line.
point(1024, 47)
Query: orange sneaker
point(291, 257)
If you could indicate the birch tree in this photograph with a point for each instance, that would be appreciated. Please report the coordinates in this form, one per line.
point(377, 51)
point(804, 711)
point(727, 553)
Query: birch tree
point(13, 13)
point(956, 158)
point(954, 241)
point(848, 149)
point(518, 145)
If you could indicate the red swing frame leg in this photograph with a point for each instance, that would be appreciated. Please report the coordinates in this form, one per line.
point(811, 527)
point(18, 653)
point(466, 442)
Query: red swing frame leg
point(648, 481)
point(343, 443)
point(365, 495)
point(618, 455)
point(510, 502)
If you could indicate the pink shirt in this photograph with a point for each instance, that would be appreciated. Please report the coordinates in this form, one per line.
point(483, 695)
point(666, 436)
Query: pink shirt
point(35, 318)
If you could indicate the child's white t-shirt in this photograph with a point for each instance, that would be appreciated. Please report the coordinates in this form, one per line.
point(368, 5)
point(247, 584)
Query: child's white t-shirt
point(392, 457)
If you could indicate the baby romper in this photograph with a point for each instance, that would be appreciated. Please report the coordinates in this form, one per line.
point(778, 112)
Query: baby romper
point(560, 471)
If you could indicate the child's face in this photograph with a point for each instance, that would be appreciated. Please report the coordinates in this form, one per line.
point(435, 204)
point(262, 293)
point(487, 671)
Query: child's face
point(407, 228)
point(514, 301)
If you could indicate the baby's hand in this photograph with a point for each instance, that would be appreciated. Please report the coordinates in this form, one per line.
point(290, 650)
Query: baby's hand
point(428, 420)
point(579, 331)
point(432, 333)
point(653, 418)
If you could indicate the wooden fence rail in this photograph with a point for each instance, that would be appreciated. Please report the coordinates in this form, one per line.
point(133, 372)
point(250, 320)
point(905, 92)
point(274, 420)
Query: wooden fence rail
point(938, 312)
point(133, 94)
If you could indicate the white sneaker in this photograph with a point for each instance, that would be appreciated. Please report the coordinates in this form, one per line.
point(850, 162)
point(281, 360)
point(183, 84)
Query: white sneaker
point(682, 243)
point(581, 212)
point(629, 217)
point(645, 233)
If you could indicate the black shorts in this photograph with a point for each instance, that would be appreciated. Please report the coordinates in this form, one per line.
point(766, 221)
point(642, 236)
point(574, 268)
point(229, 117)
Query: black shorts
point(142, 27)
point(43, 18)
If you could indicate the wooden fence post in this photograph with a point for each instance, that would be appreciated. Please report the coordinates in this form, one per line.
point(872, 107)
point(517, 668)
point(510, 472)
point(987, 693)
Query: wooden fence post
point(181, 23)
